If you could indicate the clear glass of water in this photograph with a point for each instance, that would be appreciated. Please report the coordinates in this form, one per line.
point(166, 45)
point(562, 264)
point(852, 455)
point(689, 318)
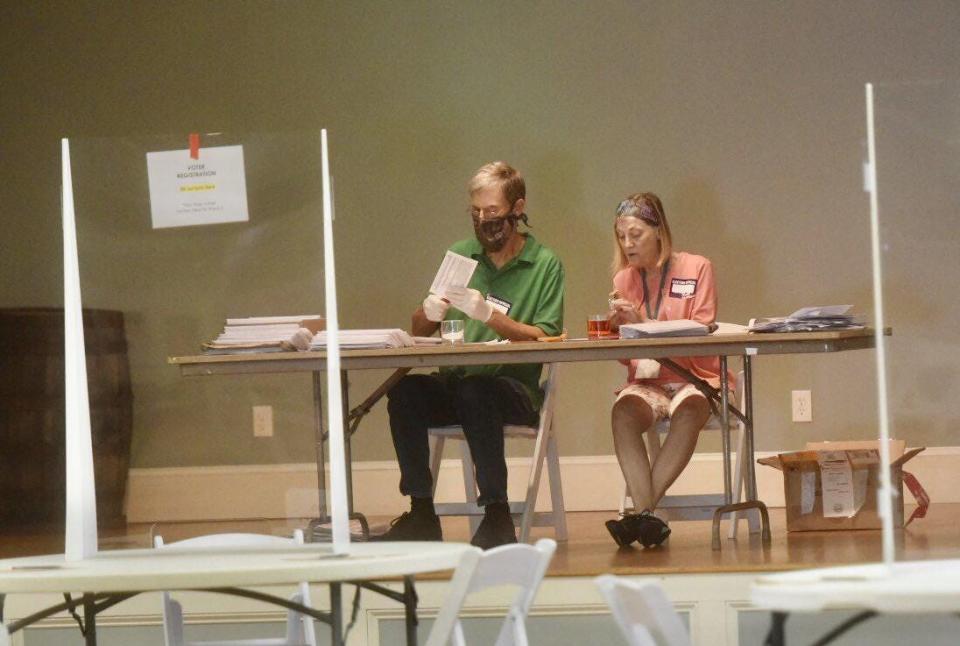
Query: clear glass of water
point(452, 331)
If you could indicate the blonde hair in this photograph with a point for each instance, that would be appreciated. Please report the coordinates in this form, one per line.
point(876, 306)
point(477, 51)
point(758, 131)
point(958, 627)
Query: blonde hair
point(633, 206)
point(502, 175)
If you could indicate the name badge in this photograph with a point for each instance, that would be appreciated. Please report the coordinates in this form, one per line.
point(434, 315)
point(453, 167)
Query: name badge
point(500, 304)
point(683, 287)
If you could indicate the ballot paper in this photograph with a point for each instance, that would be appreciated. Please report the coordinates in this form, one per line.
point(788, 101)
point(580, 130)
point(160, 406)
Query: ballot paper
point(265, 334)
point(366, 339)
point(809, 319)
point(820, 311)
point(455, 271)
point(676, 327)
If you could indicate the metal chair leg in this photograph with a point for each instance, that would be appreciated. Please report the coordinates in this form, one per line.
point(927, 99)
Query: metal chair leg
point(740, 506)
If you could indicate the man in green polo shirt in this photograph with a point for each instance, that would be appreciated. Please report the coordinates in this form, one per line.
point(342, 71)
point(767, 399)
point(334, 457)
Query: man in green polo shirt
point(516, 293)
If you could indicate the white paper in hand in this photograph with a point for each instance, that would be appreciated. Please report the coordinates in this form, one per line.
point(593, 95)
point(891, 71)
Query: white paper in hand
point(455, 271)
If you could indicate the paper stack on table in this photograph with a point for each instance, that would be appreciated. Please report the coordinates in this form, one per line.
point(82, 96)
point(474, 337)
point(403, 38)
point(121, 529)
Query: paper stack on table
point(385, 338)
point(265, 334)
point(678, 327)
point(729, 328)
point(809, 319)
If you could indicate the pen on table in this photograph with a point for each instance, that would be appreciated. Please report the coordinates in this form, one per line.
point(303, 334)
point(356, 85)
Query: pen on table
point(551, 339)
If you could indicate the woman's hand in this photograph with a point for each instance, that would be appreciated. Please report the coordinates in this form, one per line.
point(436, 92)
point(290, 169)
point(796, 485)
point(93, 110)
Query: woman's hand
point(623, 311)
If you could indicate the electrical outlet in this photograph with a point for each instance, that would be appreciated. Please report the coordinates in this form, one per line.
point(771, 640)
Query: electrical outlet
point(802, 406)
point(263, 421)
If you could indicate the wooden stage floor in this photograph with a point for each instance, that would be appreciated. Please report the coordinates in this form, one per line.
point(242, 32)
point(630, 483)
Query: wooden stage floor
point(590, 550)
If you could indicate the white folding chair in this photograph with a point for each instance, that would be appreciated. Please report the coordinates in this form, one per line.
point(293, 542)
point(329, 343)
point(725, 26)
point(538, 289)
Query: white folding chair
point(300, 631)
point(643, 612)
point(545, 449)
point(701, 506)
point(519, 565)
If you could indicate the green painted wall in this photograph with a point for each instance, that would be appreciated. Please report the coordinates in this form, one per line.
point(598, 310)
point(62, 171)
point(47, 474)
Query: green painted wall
point(747, 118)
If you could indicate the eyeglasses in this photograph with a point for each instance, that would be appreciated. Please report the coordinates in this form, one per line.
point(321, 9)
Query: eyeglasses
point(486, 214)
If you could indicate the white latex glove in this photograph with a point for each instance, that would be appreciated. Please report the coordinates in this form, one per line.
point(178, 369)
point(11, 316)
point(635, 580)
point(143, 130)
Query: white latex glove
point(470, 302)
point(435, 308)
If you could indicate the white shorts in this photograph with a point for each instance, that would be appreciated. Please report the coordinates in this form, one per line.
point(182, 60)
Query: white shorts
point(663, 400)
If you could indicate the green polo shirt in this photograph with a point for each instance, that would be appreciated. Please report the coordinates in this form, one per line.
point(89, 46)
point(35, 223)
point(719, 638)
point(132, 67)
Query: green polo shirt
point(531, 286)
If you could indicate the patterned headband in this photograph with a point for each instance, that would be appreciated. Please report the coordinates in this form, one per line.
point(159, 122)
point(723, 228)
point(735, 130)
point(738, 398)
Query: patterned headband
point(629, 208)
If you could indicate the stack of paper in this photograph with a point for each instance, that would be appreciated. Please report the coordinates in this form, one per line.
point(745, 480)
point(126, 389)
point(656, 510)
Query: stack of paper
point(679, 327)
point(386, 338)
point(809, 319)
point(730, 328)
point(265, 334)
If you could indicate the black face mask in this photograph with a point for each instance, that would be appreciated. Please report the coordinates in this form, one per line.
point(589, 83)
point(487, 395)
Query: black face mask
point(493, 234)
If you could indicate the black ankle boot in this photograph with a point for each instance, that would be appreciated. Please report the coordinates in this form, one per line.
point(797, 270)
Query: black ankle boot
point(643, 527)
point(625, 530)
point(496, 528)
point(653, 530)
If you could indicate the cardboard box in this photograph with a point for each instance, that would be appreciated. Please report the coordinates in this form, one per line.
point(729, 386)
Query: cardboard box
point(833, 485)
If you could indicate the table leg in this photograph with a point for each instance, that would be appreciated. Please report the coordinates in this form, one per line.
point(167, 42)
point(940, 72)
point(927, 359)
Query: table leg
point(751, 484)
point(323, 517)
point(834, 634)
point(336, 615)
point(725, 431)
point(345, 399)
point(318, 430)
point(347, 447)
point(410, 603)
point(776, 636)
point(90, 619)
point(748, 426)
point(751, 458)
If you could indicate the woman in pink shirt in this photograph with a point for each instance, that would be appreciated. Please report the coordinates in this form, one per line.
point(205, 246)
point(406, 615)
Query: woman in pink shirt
point(653, 282)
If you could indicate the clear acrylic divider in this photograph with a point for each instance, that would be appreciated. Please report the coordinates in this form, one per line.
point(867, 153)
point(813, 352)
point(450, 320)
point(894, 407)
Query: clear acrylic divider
point(178, 236)
point(916, 144)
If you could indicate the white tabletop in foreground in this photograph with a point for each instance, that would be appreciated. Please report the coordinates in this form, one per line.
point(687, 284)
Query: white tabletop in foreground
point(145, 570)
point(905, 587)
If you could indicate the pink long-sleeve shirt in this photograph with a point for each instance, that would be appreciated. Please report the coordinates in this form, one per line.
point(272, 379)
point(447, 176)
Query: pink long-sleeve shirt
point(689, 292)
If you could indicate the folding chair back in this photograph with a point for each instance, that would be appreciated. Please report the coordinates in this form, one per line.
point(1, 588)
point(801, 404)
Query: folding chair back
point(700, 506)
point(544, 451)
point(519, 565)
point(300, 629)
point(643, 612)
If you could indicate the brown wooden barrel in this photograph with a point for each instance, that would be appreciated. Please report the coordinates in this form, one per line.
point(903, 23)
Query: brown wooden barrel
point(32, 428)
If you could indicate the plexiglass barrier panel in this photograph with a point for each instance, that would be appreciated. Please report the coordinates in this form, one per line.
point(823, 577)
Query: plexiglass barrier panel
point(917, 141)
point(179, 236)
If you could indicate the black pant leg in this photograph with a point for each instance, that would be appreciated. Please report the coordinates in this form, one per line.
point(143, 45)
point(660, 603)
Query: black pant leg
point(416, 403)
point(484, 405)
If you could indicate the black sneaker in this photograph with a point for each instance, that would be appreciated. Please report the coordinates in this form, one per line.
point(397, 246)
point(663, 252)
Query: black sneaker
point(412, 527)
point(496, 528)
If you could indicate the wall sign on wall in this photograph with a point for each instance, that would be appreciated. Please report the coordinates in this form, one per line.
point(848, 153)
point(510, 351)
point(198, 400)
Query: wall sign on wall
point(197, 186)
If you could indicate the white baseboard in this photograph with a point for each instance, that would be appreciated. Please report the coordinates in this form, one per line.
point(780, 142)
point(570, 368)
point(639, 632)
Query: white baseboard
point(591, 483)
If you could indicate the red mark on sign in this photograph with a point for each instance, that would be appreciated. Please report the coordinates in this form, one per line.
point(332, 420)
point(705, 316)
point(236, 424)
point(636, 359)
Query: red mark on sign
point(194, 145)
